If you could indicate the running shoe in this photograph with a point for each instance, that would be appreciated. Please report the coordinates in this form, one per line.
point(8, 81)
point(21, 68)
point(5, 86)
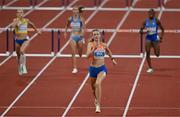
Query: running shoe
point(150, 70)
point(20, 69)
point(24, 69)
point(75, 70)
point(97, 105)
point(98, 109)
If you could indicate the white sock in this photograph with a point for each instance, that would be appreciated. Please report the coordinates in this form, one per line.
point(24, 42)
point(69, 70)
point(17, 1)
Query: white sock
point(23, 60)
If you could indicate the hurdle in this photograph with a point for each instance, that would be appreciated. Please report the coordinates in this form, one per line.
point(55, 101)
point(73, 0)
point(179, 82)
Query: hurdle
point(9, 31)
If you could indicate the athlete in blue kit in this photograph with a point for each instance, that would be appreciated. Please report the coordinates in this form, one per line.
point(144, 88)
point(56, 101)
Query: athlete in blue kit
point(77, 24)
point(151, 24)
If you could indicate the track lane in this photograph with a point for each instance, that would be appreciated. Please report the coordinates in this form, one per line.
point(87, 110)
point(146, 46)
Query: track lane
point(54, 88)
point(170, 23)
point(156, 94)
point(107, 18)
point(172, 4)
point(147, 4)
point(126, 44)
point(116, 88)
point(151, 93)
point(115, 4)
point(12, 84)
point(170, 45)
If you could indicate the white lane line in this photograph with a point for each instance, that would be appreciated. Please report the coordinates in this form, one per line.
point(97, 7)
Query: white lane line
point(10, 3)
point(86, 78)
point(134, 86)
point(5, 60)
point(75, 96)
point(34, 79)
point(137, 78)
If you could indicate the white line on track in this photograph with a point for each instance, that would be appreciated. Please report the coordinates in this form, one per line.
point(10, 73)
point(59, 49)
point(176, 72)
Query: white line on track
point(34, 79)
point(86, 78)
point(10, 3)
point(137, 79)
point(134, 87)
point(114, 55)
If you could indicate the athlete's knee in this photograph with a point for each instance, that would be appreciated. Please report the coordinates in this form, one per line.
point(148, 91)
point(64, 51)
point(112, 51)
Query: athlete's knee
point(97, 84)
point(148, 54)
point(157, 54)
point(18, 54)
point(21, 52)
point(80, 54)
point(17, 51)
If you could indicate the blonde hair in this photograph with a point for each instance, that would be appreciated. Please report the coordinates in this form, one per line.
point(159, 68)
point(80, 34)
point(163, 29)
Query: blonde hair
point(20, 10)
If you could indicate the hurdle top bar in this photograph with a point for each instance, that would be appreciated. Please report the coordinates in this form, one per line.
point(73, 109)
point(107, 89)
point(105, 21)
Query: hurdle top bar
point(89, 30)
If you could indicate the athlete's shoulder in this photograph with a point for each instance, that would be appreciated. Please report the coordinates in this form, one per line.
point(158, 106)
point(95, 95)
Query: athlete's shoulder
point(82, 18)
point(15, 19)
point(70, 18)
point(157, 20)
point(103, 44)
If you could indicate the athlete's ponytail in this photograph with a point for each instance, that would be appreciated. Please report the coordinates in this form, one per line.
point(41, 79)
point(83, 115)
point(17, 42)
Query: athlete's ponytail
point(81, 9)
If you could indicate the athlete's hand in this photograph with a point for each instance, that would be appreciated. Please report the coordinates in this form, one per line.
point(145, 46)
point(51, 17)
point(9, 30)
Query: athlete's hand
point(160, 39)
point(114, 61)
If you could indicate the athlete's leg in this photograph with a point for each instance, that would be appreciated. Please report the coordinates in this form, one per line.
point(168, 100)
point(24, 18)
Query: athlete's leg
point(80, 47)
point(18, 46)
point(93, 81)
point(23, 57)
point(22, 52)
point(99, 80)
point(148, 52)
point(156, 47)
point(98, 90)
point(73, 47)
